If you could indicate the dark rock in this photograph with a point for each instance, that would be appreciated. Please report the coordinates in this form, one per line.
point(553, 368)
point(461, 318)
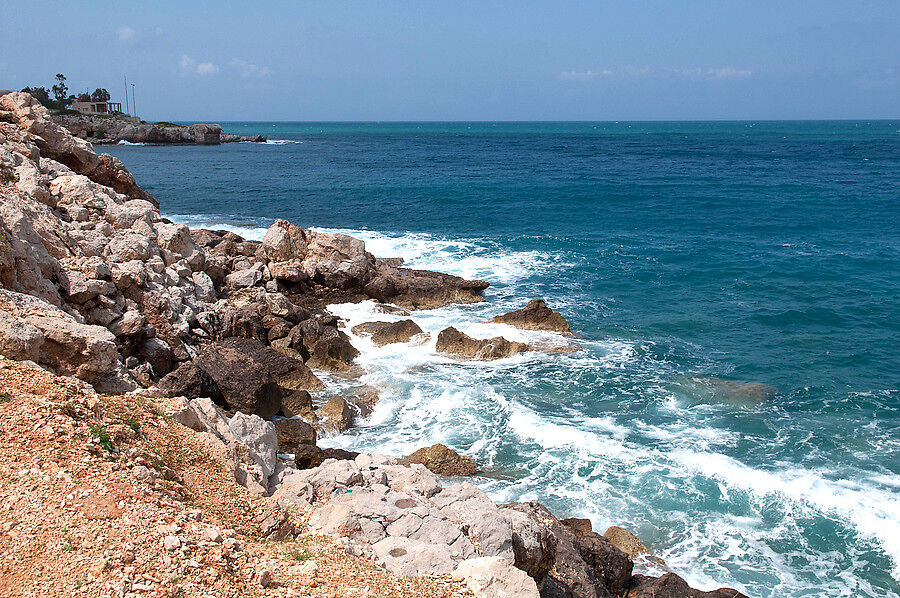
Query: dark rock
point(293, 433)
point(571, 565)
point(158, 354)
point(189, 381)
point(307, 456)
point(274, 523)
point(451, 340)
point(672, 586)
point(443, 460)
point(296, 403)
point(535, 316)
point(241, 370)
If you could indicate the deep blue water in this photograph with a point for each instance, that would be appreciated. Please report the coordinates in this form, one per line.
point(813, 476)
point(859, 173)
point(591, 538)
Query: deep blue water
point(761, 252)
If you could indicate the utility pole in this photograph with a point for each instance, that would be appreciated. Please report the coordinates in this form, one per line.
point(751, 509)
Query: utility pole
point(127, 110)
point(133, 103)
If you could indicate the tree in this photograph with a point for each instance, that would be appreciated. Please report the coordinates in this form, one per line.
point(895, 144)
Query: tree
point(84, 97)
point(100, 95)
point(40, 94)
point(61, 92)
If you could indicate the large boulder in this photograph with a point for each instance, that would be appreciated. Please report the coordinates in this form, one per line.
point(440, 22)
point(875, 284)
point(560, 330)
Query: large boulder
point(535, 316)
point(240, 369)
point(31, 328)
point(625, 541)
point(444, 461)
point(450, 340)
point(335, 415)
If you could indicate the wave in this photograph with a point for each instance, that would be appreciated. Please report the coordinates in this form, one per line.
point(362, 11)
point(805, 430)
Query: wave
point(124, 142)
point(281, 141)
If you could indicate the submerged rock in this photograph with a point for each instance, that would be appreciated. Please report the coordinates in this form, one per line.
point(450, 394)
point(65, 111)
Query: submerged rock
point(535, 316)
point(451, 340)
point(444, 461)
point(708, 389)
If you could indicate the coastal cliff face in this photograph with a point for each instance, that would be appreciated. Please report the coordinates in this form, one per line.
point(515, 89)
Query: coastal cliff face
point(112, 129)
point(223, 334)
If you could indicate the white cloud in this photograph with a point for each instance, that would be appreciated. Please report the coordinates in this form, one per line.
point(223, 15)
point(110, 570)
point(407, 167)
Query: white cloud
point(126, 34)
point(189, 66)
point(583, 75)
point(248, 69)
point(729, 72)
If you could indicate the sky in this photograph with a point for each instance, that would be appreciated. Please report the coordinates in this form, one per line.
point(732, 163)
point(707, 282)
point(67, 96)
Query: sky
point(461, 60)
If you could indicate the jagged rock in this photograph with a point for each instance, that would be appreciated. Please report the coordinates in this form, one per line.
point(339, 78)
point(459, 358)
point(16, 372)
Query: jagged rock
point(451, 340)
point(113, 129)
point(444, 461)
point(335, 415)
point(494, 577)
point(672, 586)
point(535, 316)
point(610, 568)
point(625, 541)
point(293, 433)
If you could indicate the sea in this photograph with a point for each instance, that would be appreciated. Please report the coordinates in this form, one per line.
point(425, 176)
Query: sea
point(733, 288)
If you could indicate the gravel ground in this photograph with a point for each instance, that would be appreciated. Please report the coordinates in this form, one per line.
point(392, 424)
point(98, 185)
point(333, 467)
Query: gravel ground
point(108, 496)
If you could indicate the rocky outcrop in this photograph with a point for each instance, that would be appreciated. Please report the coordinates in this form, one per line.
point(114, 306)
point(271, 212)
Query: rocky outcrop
point(535, 316)
point(342, 265)
point(450, 340)
point(108, 129)
point(442, 460)
point(494, 577)
point(134, 296)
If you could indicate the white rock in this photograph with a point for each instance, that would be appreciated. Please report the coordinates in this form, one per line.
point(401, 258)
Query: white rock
point(495, 577)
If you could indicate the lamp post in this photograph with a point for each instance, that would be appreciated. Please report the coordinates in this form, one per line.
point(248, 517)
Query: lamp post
point(133, 104)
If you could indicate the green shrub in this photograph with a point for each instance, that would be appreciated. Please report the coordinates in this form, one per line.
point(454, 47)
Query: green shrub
point(102, 436)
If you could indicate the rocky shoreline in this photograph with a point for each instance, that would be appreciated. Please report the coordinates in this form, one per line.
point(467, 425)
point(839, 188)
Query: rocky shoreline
point(230, 333)
point(112, 129)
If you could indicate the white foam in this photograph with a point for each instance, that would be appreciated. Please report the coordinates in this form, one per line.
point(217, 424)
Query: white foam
point(124, 142)
point(873, 512)
point(281, 141)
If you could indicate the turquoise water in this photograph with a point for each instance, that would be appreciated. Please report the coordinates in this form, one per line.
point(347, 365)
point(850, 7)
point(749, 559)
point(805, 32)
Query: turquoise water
point(682, 254)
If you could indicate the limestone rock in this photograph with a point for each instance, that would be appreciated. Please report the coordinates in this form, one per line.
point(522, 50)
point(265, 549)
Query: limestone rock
point(494, 577)
point(535, 316)
point(284, 241)
point(68, 346)
point(444, 461)
point(451, 340)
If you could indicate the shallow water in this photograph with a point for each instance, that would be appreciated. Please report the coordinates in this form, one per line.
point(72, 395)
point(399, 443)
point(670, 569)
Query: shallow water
point(682, 254)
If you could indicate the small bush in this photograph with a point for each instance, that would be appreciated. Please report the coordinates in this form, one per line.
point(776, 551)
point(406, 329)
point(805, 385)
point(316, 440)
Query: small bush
point(300, 555)
point(133, 424)
point(8, 176)
point(102, 436)
point(5, 397)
